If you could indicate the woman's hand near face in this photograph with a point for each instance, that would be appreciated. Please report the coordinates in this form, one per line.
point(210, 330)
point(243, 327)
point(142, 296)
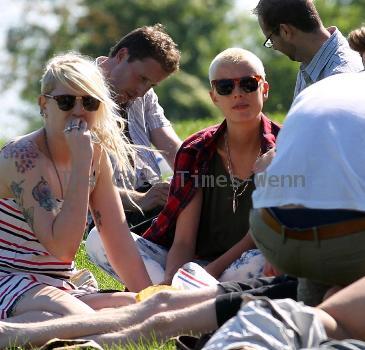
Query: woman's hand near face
point(78, 139)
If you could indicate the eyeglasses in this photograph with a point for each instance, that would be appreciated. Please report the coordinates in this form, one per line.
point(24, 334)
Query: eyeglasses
point(67, 102)
point(247, 84)
point(268, 42)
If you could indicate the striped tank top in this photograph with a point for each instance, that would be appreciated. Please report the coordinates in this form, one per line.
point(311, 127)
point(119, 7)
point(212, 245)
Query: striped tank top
point(20, 250)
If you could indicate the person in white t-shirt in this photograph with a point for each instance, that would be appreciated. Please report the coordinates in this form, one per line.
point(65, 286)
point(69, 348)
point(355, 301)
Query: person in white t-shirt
point(309, 216)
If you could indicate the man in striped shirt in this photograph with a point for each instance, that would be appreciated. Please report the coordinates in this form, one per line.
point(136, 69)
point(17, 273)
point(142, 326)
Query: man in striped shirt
point(294, 28)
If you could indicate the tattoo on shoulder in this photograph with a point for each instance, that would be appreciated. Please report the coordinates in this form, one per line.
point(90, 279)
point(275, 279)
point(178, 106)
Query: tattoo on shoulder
point(42, 194)
point(18, 191)
point(24, 154)
point(97, 217)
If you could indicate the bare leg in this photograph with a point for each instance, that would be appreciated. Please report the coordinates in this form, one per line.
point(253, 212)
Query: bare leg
point(39, 304)
point(104, 321)
point(346, 312)
point(332, 291)
point(51, 300)
point(197, 319)
point(31, 316)
point(106, 300)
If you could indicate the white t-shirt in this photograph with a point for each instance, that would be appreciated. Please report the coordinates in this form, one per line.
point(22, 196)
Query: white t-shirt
point(320, 159)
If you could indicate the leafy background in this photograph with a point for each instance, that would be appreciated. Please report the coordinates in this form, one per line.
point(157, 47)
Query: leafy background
point(202, 28)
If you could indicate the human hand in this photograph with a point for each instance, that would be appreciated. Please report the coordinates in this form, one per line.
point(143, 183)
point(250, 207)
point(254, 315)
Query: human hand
point(155, 196)
point(264, 161)
point(78, 139)
point(166, 282)
point(270, 270)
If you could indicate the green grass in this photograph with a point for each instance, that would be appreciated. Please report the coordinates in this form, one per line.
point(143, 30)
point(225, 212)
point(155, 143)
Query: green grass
point(185, 128)
point(105, 281)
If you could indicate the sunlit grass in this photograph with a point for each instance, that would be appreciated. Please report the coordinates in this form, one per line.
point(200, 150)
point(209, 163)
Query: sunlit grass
point(186, 127)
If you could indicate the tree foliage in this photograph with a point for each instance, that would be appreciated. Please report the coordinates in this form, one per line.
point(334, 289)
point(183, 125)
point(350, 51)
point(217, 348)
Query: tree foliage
point(202, 28)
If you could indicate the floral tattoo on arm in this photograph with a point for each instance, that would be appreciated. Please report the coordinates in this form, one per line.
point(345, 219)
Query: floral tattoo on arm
point(18, 191)
point(43, 195)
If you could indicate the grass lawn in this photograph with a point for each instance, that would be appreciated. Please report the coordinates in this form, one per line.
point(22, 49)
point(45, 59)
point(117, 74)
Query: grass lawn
point(186, 127)
point(183, 128)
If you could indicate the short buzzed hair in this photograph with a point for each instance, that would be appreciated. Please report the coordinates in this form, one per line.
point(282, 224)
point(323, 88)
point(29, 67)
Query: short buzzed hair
point(236, 55)
point(301, 14)
point(150, 42)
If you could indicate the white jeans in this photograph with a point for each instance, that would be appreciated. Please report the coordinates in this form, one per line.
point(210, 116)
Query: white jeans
point(249, 265)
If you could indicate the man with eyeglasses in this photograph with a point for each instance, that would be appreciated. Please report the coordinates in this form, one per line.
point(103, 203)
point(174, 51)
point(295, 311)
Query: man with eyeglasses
point(294, 28)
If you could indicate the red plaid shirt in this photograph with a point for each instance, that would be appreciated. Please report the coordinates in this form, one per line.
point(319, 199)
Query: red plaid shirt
point(191, 163)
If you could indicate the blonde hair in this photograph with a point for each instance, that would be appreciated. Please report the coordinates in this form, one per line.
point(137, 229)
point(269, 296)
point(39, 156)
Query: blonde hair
point(236, 55)
point(80, 73)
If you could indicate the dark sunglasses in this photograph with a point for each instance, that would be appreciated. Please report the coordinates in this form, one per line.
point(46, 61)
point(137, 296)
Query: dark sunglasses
point(67, 102)
point(247, 84)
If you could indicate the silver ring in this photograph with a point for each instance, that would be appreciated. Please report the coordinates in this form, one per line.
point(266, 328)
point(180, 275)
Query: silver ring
point(75, 127)
point(68, 129)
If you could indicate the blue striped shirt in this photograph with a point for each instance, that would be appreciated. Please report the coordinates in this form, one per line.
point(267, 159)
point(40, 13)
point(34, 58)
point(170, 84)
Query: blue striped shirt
point(144, 115)
point(335, 56)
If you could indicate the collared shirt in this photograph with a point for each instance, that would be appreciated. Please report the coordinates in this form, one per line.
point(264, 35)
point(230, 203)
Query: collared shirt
point(191, 163)
point(144, 115)
point(335, 56)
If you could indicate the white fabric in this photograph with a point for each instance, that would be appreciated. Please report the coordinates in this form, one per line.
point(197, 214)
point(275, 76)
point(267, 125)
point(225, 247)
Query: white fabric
point(335, 56)
point(320, 149)
point(192, 276)
point(249, 265)
point(263, 324)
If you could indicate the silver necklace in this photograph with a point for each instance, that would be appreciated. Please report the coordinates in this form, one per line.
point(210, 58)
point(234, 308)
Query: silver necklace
point(53, 163)
point(235, 184)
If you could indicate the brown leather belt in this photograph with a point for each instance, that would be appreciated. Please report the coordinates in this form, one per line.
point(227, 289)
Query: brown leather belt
point(329, 231)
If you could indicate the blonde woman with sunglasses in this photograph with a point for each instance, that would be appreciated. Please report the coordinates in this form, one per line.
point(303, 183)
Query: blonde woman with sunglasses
point(49, 178)
point(206, 216)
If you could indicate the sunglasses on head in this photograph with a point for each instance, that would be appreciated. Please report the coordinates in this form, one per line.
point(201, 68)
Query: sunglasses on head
point(247, 84)
point(67, 102)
